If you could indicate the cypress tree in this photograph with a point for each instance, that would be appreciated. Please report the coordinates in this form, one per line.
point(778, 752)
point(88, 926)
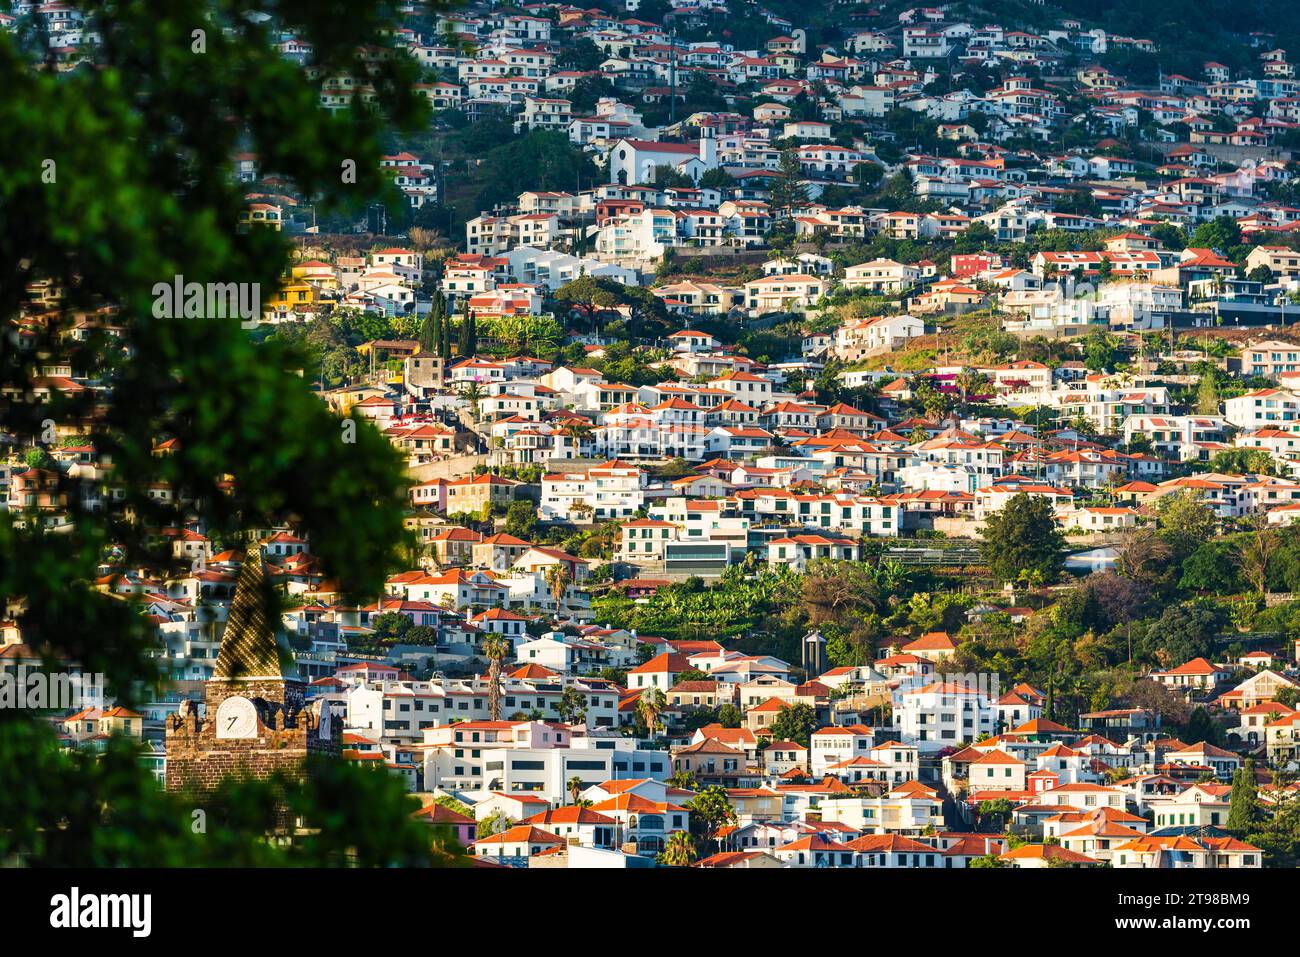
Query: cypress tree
point(1243, 807)
point(444, 340)
point(429, 333)
point(1207, 396)
point(431, 328)
point(465, 342)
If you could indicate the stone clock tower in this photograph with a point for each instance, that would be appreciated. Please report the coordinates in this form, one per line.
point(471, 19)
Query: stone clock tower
point(255, 721)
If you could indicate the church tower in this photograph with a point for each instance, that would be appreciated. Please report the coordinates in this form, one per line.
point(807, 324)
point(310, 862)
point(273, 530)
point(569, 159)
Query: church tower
point(255, 719)
point(814, 654)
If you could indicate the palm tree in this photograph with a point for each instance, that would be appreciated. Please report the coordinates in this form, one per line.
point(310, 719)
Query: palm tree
point(474, 394)
point(496, 649)
point(577, 432)
point(970, 381)
point(684, 780)
point(575, 788)
point(679, 851)
point(558, 580)
point(650, 705)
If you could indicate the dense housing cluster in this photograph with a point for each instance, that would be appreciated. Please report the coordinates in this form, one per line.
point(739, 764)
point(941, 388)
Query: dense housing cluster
point(856, 444)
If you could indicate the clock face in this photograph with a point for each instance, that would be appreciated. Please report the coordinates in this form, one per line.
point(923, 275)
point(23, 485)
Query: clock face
point(236, 718)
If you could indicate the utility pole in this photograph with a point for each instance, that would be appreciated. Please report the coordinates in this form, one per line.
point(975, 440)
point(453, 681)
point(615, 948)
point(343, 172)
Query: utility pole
point(672, 75)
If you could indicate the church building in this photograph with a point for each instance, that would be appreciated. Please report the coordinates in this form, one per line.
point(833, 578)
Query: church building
point(256, 720)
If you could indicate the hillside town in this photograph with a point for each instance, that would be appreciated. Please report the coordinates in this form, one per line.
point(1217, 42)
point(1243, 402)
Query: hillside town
point(868, 441)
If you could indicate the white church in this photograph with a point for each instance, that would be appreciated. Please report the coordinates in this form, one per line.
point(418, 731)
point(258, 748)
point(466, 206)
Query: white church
point(633, 162)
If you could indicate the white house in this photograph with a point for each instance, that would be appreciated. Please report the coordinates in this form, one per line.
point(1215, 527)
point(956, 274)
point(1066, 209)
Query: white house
point(1264, 409)
point(943, 714)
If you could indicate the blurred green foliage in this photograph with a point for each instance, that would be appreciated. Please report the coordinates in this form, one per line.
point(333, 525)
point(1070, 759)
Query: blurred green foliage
point(118, 176)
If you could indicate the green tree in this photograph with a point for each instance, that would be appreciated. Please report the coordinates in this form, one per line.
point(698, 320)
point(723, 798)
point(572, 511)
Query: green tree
point(142, 137)
point(1181, 633)
point(1220, 233)
point(1023, 539)
point(1256, 554)
point(1100, 352)
point(1207, 396)
point(831, 589)
point(558, 579)
point(794, 722)
point(683, 780)
point(444, 337)
point(38, 459)
point(994, 814)
point(582, 55)
point(933, 402)
point(1185, 522)
point(650, 705)
point(521, 519)
point(1244, 811)
point(1212, 568)
point(666, 177)
point(572, 706)
point(789, 191)
point(354, 816)
point(729, 716)
point(679, 851)
point(588, 295)
point(496, 649)
point(1242, 461)
point(973, 382)
point(633, 366)
point(1201, 727)
point(868, 176)
point(495, 823)
point(1170, 236)
point(710, 811)
point(432, 326)
point(466, 342)
point(717, 178)
point(538, 160)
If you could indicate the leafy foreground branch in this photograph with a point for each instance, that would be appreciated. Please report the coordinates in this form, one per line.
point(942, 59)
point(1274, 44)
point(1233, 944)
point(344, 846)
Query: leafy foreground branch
point(99, 810)
point(141, 143)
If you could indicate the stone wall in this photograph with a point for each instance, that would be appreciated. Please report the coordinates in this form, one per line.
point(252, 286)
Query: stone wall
point(449, 468)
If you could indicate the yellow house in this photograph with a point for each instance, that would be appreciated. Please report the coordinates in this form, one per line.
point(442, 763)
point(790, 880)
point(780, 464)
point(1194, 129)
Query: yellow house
point(472, 492)
point(260, 214)
point(121, 721)
point(317, 273)
point(288, 300)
